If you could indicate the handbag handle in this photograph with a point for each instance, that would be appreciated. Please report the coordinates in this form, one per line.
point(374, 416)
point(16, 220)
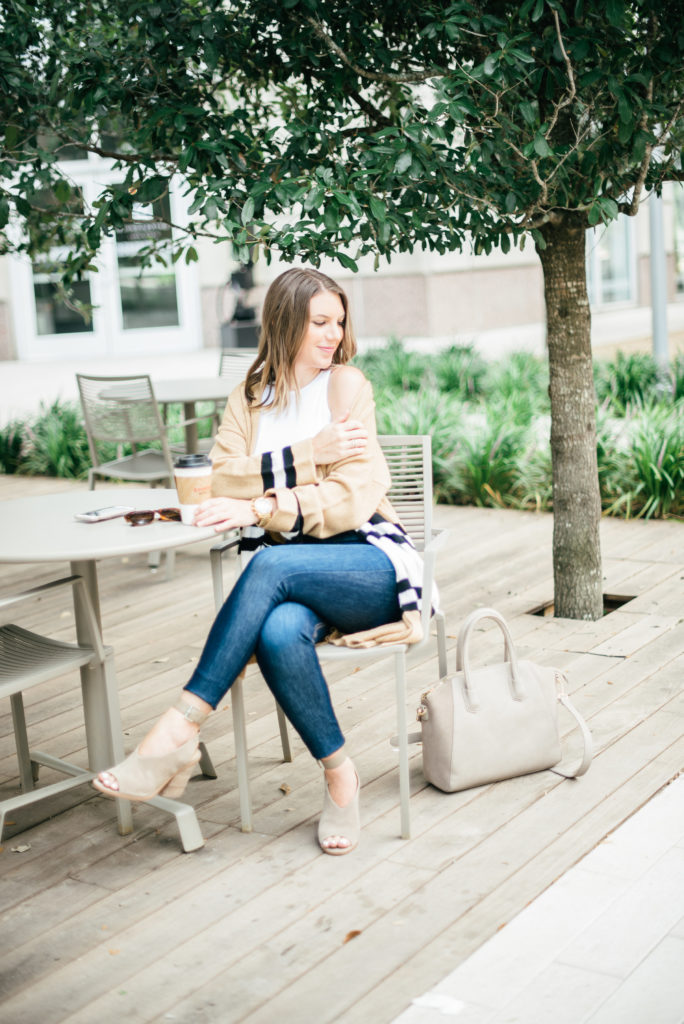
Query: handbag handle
point(463, 659)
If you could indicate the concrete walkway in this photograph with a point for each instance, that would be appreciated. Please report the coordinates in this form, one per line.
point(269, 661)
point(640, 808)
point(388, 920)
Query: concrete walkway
point(603, 945)
point(24, 386)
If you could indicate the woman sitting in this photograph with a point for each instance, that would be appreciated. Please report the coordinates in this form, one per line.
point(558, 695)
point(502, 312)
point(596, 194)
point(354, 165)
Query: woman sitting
point(298, 467)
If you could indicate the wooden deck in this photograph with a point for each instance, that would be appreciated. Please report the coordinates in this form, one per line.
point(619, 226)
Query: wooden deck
point(263, 927)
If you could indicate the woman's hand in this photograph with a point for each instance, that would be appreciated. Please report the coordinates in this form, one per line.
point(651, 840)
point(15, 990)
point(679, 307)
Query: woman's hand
point(225, 513)
point(339, 439)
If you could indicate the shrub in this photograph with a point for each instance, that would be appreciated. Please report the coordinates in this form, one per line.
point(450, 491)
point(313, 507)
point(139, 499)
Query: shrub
point(56, 443)
point(677, 377)
point(12, 441)
point(425, 412)
point(657, 458)
point(628, 380)
point(459, 371)
point(533, 484)
point(484, 467)
point(521, 379)
point(393, 368)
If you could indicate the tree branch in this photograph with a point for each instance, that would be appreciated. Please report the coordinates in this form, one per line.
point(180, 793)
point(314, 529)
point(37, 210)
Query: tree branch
point(413, 77)
point(631, 208)
point(570, 95)
point(371, 111)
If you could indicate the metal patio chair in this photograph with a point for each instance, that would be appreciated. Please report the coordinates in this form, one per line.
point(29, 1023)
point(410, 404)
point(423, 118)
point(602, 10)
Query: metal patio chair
point(409, 458)
point(120, 411)
point(28, 659)
point(233, 364)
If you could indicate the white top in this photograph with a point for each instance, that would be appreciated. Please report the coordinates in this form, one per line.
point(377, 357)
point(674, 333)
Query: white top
point(301, 418)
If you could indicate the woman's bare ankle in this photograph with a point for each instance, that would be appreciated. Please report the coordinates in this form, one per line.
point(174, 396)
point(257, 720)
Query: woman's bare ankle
point(342, 781)
point(168, 732)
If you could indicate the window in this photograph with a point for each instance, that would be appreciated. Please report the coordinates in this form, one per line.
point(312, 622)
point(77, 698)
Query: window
point(134, 309)
point(53, 315)
point(611, 272)
point(679, 236)
point(148, 294)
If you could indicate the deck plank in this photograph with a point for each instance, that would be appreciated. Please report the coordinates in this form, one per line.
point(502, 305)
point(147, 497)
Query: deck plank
point(253, 927)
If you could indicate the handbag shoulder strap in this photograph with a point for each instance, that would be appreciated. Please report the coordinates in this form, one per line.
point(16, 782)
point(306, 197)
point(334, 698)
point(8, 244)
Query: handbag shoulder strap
point(588, 751)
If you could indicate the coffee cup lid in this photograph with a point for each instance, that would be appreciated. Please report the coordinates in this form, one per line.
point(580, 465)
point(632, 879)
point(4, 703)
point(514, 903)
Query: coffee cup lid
point(191, 461)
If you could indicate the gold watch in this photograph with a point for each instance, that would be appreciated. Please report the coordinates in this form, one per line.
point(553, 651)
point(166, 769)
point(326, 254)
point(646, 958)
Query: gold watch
point(263, 509)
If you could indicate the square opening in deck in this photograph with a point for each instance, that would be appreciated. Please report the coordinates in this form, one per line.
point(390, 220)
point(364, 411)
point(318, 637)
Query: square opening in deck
point(611, 602)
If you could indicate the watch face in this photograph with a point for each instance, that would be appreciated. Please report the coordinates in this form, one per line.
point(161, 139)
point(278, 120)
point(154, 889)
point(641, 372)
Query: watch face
point(263, 506)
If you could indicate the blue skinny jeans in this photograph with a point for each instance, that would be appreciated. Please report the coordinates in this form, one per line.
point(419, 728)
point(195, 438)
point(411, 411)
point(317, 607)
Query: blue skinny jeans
point(286, 600)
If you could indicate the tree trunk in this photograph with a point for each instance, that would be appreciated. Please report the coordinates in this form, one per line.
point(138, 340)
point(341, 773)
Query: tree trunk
point(576, 500)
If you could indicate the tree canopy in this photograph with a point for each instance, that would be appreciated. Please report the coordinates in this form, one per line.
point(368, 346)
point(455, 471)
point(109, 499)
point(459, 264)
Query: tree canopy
point(319, 129)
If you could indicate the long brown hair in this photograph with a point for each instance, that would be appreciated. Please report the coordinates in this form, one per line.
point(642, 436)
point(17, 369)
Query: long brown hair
point(284, 322)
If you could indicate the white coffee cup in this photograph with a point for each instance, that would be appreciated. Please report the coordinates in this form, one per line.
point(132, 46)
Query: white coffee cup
point(192, 474)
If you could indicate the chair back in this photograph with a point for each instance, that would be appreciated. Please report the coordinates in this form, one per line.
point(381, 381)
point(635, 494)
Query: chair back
point(235, 362)
point(121, 410)
point(409, 458)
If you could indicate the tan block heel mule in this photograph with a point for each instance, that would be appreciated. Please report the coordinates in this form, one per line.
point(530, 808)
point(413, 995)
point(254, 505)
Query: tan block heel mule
point(344, 822)
point(142, 778)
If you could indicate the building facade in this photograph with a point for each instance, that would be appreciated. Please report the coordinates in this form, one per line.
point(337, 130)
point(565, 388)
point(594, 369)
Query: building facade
point(495, 301)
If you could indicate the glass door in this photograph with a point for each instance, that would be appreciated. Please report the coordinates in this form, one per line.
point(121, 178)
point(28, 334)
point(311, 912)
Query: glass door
point(136, 310)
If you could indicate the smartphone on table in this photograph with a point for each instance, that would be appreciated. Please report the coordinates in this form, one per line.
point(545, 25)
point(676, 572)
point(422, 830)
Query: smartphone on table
point(98, 514)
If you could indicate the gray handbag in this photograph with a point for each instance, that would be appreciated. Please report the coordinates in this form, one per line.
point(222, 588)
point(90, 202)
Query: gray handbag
point(487, 724)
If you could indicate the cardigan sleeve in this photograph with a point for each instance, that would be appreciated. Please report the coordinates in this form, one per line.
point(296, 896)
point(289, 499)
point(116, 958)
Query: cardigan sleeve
point(347, 492)
point(238, 474)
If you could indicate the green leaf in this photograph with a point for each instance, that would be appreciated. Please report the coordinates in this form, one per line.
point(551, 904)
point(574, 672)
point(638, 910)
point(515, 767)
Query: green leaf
point(11, 136)
point(191, 255)
point(378, 209)
point(526, 58)
point(346, 261)
point(615, 11)
point(403, 162)
point(313, 198)
point(247, 211)
point(625, 109)
point(528, 112)
point(210, 54)
point(62, 191)
point(594, 214)
point(491, 63)
point(541, 146)
point(625, 131)
point(211, 209)
point(538, 10)
point(331, 215)
point(4, 212)
point(185, 159)
point(609, 207)
point(197, 202)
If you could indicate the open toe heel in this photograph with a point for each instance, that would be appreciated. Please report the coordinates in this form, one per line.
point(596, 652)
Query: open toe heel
point(142, 778)
point(176, 787)
point(344, 822)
